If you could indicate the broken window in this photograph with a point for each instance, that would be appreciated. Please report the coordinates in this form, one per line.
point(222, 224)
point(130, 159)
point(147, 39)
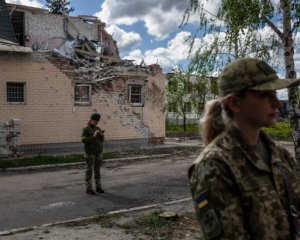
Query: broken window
point(15, 92)
point(83, 94)
point(135, 95)
point(17, 20)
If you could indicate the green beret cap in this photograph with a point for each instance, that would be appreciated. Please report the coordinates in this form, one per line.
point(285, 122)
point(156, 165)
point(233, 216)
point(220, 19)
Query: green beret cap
point(251, 73)
point(95, 116)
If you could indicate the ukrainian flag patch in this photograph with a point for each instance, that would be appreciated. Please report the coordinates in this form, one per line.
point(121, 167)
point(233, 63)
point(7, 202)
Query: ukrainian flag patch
point(201, 201)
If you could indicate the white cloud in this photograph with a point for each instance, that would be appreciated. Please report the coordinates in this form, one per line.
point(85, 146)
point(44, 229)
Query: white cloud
point(282, 94)
point(177, 50)
point(31, 3)
point(126, 40)
point(160, 17)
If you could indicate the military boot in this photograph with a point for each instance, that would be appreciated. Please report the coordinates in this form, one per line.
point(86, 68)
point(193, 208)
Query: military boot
point(90, 191)
point(99, 189)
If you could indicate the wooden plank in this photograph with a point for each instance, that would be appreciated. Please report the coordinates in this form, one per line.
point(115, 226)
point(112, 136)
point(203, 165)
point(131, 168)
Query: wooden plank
point(88, 47)
point(95, 54)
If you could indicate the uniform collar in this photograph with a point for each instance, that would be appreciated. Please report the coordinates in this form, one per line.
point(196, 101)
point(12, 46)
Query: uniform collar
point(248, 150)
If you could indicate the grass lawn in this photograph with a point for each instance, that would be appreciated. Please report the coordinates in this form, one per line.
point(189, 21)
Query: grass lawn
point(190, 128)
point(44, 160)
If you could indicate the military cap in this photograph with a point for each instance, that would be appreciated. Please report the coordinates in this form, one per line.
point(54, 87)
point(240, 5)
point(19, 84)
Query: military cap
point(251, 73)
point(95, 116)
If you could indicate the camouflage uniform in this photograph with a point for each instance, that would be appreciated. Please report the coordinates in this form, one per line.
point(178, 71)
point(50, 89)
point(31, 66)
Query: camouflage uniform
point(237, 195)
point(240, 191)
point(94, 154)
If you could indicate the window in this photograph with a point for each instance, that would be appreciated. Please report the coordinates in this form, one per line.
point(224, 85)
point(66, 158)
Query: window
point(172, 107)
point(135, 95)
point(15, 92)
point(83, 94)
point(187, 107)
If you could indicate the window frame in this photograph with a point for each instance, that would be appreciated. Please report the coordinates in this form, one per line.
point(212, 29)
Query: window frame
point(24, 93)
point(188, 107)
point(83, 103)
point(173, 106)
point(136, 104)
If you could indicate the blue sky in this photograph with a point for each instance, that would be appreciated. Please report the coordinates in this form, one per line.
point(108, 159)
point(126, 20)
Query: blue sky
point(146, 29)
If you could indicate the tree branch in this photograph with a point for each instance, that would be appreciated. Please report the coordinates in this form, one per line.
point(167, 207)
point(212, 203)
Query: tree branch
point(272, 25)
point(296, 25)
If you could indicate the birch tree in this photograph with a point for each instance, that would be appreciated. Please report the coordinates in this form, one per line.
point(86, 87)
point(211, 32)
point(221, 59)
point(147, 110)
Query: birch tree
point(185, 87)
point(240, 22)
point(178, 93)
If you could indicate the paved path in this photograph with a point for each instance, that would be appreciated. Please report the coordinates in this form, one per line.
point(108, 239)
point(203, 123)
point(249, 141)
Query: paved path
point(37, 198)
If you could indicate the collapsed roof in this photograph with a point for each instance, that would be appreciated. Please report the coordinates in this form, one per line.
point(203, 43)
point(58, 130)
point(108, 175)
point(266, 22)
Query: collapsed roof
point(81, 40)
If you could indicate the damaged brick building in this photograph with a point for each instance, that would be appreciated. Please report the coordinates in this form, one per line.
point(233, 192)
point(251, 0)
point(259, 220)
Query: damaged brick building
point(56, 70)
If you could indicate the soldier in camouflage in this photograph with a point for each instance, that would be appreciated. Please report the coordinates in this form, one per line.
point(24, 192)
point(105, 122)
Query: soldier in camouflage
point(93, 137)
point(244, 185)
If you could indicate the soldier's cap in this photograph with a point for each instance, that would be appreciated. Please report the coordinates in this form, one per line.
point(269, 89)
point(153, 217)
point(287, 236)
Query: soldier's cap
point(251, 73)
point(95, 116)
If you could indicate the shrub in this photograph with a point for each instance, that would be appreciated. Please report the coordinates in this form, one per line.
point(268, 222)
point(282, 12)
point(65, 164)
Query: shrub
point(191, 128)
point(281, 131)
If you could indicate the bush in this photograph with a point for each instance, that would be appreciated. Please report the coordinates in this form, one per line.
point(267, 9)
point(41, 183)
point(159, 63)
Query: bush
point(281, 131)
point(191, 128)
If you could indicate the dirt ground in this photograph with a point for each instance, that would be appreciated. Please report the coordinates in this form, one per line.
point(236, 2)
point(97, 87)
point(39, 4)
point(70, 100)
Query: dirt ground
point(137, 225)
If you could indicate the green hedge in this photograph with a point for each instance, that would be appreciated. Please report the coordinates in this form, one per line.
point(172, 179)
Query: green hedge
point(281, 131)
point(191, 128)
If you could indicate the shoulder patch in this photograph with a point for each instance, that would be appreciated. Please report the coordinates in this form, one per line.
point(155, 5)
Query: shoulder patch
point(201, 200)
point(207, 216)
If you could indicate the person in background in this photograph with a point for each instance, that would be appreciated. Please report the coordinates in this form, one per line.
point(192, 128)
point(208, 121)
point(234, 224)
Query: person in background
point(93, 137)
point(244, 185)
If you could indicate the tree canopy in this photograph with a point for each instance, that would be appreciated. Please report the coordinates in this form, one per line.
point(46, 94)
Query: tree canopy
point(265, 29)
point(59, 6)
point(187, 93)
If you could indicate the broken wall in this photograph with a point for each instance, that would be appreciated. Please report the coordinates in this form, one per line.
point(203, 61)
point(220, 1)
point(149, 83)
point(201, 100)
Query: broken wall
point(44, 30)
point(147, 121)
point(49, 114)
point(10, 138)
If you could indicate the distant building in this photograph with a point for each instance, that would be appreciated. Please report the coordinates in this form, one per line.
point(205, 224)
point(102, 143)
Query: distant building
point(192, 114)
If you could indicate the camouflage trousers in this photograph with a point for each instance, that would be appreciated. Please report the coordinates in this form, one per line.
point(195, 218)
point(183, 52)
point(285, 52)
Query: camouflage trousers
point(93, 164)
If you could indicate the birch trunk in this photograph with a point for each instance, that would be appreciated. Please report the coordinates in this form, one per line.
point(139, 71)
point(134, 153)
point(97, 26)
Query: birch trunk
point(288, 45)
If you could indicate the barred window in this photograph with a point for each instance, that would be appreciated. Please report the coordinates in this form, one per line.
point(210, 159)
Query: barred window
point(135, 95)
point(15, 92)
point(83, 94)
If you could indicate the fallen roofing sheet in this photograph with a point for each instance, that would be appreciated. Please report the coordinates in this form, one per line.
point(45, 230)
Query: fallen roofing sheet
point(8, 46)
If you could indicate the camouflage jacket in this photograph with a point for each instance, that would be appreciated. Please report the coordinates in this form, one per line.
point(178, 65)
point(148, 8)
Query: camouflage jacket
point(92, 145)
point(237, 195)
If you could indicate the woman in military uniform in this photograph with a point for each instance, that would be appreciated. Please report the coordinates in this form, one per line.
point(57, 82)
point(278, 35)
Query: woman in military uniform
point(244, 185)
point(93, 137)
